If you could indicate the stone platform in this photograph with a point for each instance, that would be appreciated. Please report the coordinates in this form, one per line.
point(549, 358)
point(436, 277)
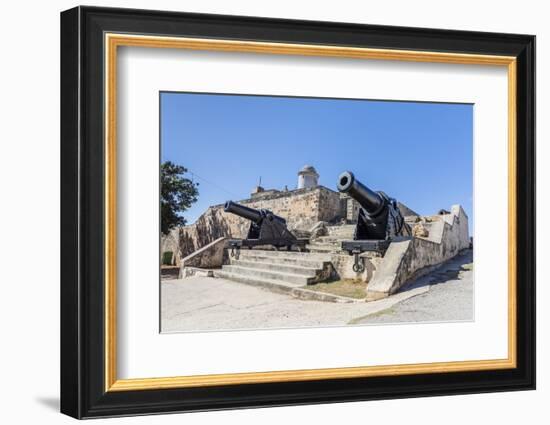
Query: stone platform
point(285, 272)
point(438, 239)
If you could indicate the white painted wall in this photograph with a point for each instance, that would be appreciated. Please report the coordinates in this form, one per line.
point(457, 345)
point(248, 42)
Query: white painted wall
point(29, 172)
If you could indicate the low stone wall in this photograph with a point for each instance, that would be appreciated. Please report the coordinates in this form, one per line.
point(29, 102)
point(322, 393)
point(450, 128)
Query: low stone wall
point(208, 257)
point(343, 266)
point(408, 258)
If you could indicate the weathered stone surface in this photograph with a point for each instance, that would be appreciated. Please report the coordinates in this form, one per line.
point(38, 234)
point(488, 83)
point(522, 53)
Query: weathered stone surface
point(302, 208)
point(409, 258)
point(392, 272)
point(319, 229)
point(274, 269)
point(420, 231)
point(343, 265)
point(170, 243)
point(186, 272)
point(208, 257)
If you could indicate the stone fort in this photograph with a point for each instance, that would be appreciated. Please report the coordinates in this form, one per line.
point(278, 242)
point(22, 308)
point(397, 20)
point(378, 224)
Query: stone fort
point(325, 219)
point(303, 208)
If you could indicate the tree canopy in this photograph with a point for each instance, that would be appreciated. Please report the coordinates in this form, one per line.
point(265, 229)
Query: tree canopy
point(177, 194)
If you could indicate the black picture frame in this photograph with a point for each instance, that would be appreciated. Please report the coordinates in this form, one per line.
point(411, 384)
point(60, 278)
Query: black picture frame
point(83, 392)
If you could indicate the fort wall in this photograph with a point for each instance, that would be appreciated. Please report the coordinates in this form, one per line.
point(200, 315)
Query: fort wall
point(302, 208)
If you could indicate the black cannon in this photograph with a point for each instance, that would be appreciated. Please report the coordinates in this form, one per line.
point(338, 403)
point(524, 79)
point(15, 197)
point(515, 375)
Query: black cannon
point(378, 222)
point(265, 228)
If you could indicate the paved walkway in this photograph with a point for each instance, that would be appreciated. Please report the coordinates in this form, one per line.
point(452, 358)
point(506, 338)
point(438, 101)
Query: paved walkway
point(204, 303)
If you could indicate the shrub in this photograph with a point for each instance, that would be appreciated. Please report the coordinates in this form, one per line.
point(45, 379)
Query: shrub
point(167, 257)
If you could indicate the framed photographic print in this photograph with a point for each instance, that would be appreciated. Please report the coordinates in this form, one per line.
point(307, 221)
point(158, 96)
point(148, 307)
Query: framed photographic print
point(261, 212)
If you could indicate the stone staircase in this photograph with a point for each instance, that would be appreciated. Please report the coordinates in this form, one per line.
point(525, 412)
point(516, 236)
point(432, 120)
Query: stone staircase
point(332, 242)
point(279, 271)
point(289, 271)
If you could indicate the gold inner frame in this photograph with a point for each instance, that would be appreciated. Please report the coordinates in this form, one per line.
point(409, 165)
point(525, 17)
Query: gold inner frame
point(113, 41)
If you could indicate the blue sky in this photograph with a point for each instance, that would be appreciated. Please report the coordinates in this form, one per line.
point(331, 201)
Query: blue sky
point(418, 153)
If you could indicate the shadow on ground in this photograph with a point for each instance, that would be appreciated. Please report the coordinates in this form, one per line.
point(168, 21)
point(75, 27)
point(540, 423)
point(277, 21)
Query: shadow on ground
point(49, 402)
point(448, 271)
point(449, 296)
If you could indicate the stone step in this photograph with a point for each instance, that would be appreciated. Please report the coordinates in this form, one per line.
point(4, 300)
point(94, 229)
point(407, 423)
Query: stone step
point(339, 236)
point(286, 255)
point(281, 267)
point(325, 244)
point(321, 248)
point(330, 239)
point(309, 262)
point(290, 268)
point(343, 232)
point(271, 284)
point(290, 279)
point(284, 288)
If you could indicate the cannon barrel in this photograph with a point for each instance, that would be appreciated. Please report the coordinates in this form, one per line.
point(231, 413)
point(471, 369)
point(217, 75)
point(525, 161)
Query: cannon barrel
point(371, 201)
point(245, 212)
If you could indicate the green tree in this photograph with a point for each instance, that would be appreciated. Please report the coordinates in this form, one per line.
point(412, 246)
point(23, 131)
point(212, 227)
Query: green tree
point(177, 194)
